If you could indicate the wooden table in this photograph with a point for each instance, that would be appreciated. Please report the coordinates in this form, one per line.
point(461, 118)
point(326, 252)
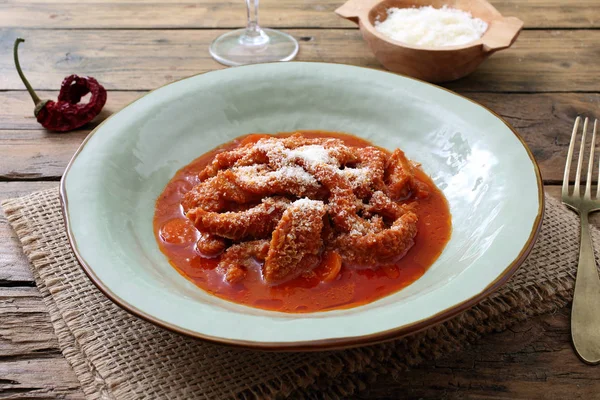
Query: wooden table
point(540, 85)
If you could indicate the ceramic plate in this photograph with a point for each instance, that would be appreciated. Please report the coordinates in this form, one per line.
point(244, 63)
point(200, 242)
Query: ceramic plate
point(489, 177)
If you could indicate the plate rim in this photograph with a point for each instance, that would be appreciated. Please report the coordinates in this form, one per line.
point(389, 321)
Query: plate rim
point(322, 344)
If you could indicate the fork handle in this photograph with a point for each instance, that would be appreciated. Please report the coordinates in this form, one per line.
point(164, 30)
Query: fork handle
point(585, 314)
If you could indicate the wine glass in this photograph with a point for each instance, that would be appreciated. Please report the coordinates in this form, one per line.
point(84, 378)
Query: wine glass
point(253, 44)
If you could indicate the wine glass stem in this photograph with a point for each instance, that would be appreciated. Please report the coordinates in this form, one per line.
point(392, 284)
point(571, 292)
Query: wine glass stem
point(252, 9)
point(254, 34)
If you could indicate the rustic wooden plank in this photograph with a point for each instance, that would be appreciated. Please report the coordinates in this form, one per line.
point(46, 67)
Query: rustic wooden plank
point(25, 328)
point(14, 267)
point(533, 360)
point(16, 108)
point(37, 154)
point(525, 362)
point(540, 61)
point(31, 364)
point(146, 59)
point(39, 378)
point(200, 14)
point(545, 121)
point(552, 13)
point(226, 14)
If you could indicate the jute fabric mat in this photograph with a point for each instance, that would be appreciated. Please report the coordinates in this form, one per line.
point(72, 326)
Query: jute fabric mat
point(118, 356)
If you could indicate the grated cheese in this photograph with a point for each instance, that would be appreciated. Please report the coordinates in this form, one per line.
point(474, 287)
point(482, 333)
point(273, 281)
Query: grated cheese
point(290, 166)
point(279, 155)
point(357, 176)
point(434, 27)
point(306, 203)
point(257, 175)
point(312, 154)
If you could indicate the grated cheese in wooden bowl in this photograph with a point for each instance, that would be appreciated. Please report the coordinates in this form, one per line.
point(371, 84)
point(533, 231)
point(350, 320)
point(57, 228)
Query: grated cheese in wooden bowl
point(433, 27)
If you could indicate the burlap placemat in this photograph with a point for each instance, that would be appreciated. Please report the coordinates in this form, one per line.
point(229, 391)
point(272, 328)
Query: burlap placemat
point(117, 356)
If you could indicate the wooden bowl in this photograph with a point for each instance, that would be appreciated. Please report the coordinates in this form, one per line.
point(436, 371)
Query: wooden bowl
point(432, 64)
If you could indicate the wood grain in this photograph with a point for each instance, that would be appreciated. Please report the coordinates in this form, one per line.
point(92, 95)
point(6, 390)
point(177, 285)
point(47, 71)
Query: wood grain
point(544, 120)
point(146, 59)
point(37, 154)
point(532, 360)
point(31, 364)
point(14, 267)
point(19, 304)
point(231, 13)
point(16, 109)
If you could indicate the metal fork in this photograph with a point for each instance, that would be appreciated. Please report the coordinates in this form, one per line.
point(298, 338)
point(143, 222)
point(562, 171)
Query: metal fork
point(585, 314)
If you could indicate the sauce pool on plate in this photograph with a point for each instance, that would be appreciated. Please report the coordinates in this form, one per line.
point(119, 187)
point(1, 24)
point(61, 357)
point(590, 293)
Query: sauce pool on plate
point(332, 283)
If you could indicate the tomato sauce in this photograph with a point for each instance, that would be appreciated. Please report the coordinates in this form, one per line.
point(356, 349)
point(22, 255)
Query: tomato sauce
point(326, 290)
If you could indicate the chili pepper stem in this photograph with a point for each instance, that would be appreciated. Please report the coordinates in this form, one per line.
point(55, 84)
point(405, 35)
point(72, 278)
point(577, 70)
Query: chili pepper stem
point(34, 96)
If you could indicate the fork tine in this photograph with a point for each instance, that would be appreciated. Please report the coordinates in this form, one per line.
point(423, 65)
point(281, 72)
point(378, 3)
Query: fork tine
point(565, 186)
point(576, 191)
point(588, 183)
point(597, 183)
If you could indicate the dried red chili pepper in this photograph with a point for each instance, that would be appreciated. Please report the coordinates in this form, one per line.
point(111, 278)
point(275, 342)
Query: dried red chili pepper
point(67, 113)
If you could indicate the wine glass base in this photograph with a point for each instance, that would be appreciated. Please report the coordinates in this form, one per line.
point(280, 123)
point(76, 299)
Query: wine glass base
point(230, 49)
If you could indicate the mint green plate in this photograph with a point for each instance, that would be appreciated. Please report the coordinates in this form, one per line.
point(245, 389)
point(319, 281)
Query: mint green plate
point(489, 177)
